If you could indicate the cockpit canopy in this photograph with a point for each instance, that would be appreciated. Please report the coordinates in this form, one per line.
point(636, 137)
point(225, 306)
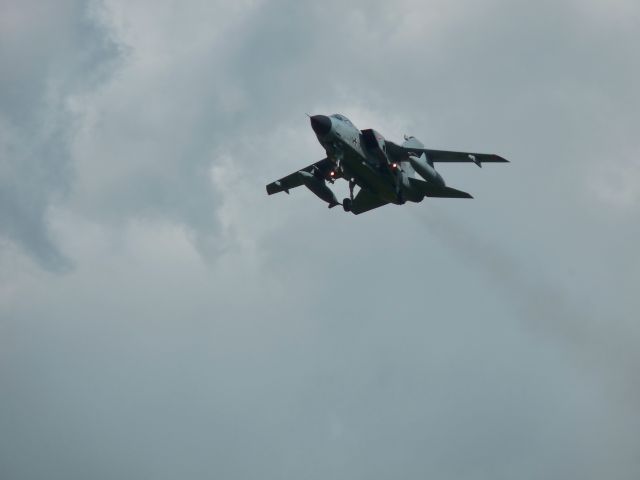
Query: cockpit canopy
point(342, 118)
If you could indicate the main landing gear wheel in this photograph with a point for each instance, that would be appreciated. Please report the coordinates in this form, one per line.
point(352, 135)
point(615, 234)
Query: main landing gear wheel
point(346, 204)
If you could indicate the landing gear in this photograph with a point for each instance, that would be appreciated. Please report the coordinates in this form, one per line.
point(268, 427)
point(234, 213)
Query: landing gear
point(399, 192)
point(347, 203)
point(352, 184)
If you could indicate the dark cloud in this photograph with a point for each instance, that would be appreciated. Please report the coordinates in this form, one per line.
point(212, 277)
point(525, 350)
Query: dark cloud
point(48, 52)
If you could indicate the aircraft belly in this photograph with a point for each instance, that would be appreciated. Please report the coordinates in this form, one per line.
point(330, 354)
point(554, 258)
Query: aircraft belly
point(367, 176)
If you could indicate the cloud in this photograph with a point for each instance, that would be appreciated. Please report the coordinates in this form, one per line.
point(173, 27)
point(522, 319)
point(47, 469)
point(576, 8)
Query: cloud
point(48, 52)
point(617, 184)
point(207, 329)
point(599, 339)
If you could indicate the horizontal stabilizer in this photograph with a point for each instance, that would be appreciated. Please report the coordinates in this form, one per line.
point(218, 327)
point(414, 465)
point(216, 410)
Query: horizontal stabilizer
point(365, 201)
point(431, 190)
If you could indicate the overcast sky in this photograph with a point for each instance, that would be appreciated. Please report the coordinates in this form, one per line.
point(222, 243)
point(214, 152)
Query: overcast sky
point(162, 318)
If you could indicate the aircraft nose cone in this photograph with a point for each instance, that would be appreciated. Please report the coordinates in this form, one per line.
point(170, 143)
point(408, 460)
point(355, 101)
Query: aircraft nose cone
point(321, 124)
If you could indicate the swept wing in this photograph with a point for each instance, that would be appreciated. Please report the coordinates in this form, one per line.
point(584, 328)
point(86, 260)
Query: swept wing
point(321, 168)
point(402, 153)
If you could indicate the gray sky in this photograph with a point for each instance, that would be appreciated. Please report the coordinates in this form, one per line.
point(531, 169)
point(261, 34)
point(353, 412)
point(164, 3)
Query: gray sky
point(161, 317)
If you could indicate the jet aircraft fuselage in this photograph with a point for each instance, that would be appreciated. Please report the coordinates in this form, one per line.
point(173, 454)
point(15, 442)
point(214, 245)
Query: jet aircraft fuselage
point(383, 170)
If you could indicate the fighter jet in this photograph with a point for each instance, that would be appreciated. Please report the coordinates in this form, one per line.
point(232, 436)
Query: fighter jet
point(383, 171)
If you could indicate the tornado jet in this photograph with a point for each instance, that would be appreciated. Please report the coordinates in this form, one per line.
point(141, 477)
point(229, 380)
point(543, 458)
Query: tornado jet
point(382, 171)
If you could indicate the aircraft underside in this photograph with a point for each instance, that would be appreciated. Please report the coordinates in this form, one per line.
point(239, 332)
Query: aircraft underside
point(383, 170)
